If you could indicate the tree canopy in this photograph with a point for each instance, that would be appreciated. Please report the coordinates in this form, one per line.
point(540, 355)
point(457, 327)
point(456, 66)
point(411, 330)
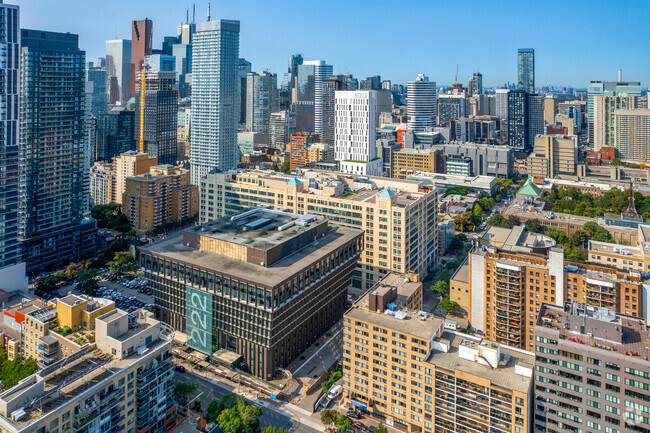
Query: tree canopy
point(460, 190)
point(574, 202)
point(499, 220)
point(50, 283)
point(451, 307)
point(236, 415)
point(123, 263)
point(110, 216)
point(533, 225)
point(12, 372)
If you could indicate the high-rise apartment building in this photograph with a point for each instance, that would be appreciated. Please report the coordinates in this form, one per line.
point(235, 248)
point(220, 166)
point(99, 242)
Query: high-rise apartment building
point(501, 103)
point(115, 374)
point(282, 291)
point(99, 99)
point(422, 104)
point(526, 70)
point(604, 120)
point(598, 88)
point(401, 365)
point(625, 138)
point(550, 108)
point(553, 156)
point(261, 100)
point(156, 122)
point(299, 149)
point(281, 125)
point(161, 195)
point(517, 113)
point(126, 165)
point(330, 87)
point(243, 69)
point(53, 228)
point(295, 60)
point(365, 201)
point(141, 46)
point(118, 65)
point(355, 136)
point(102, 180)
point(215, 98)
point(450, 108)
point(534, 119)
point(115, 133)
point(591, 370)
point(12, 270)
point(321, 71)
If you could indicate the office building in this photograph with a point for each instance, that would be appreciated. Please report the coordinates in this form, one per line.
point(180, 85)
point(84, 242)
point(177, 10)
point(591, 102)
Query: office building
point(320, 152)
point(215, 98)
point(159, 63)
point(479, 129)
point(599, 88)
point(371, 83)
point(501, 103)
point(347, 200)
point(141, 45)
point(450, 108)
point(517, 114)
point(407, 368)
point(320, 71)
point(53, 228)
point(591, 370)
point(118, 378)
point(604, 120)
point(182, 54)
point(457, 165)
point(553, 156)
point(156, 118)
point(276, 291)
point(299, 149)
point(243, 69)
point(118, 65)
point(526, 70)
point(497, 161)
point(512, 272)
point(115, 133)
point(355, 135)
point(550, 108)
point(625, 139)
point(12, 268)
point(99, 97)
point(162, 195)
point(330, 87)
point(410, 161)
point(101, 179)
point(422, 104)
point(534, 119)
point(129, 164)
point(281, 125)
point(477, 84)
point(261, 100)
point(295, 60)
point(383, 103)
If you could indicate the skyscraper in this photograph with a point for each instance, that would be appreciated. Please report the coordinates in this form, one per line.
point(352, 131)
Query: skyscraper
point(605, 127)
point(118, 64)
point(295, 60)
point(141, 44)
point(115, 133)
point(281, 125)
point(598, 88)
point(261, 100)
point(477, 84)
point(156, 123)
point(243, 69)
point(52, 224)
point(517, 111)
point(330, 87)
point(422, 103)
point(355, 141)
point(214, 97)
point(501, 102)
point(534, 119)
point(99, 98)
point(526, 69)
point(321, 71)
point(12, 271)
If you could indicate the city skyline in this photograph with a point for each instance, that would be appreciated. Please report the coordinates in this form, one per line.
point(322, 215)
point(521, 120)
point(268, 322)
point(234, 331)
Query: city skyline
point(495, 58)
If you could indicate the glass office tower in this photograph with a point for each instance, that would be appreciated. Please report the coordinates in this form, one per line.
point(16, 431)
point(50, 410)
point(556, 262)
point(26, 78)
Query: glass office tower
point(526, 70)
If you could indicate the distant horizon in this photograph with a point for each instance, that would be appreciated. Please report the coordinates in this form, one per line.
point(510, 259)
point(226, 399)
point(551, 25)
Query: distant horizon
point(396, 43)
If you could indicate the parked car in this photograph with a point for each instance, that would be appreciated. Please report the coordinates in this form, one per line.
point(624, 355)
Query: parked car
point(180, 369)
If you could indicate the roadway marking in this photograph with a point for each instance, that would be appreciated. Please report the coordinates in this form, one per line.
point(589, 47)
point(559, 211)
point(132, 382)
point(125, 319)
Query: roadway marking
point(200, 394)
point(319, 349)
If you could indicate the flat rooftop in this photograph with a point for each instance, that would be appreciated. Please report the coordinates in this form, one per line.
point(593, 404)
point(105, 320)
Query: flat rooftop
point(504, 377)
point(585, 324)
point(516, 239)
point(173, 248)
point(462, 273)
point(621, 250)
point(258, 228)
point(405, 287)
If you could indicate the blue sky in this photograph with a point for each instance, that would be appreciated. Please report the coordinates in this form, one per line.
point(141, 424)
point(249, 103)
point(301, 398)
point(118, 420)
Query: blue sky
point(574, 41)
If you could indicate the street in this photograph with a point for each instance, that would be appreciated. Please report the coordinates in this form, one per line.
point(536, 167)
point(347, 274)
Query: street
point(273, 414)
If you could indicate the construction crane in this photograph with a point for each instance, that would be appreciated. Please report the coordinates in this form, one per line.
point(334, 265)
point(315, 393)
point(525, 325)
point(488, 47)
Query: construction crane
point(456, 76)
point(642, 162)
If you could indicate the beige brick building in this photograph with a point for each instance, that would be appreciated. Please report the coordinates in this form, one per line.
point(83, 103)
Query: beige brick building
point(163, 194)
point(605, 126)
point(405, 369)
point(553, 156)
point(129, 164)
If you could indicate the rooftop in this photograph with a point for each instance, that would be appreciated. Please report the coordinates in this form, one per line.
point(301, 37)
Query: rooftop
point(516, 239)
point(513, 371)
point(598, 327)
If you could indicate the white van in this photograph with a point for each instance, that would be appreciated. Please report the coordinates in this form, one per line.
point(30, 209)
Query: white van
point(334, 391)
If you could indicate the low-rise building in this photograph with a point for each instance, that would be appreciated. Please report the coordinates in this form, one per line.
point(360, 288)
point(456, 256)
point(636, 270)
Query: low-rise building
point(484, 184)
point(321, 152)
point(121, 381)
point(487, 160)
point(406, 162)
point(164, 194)
point(403, 367)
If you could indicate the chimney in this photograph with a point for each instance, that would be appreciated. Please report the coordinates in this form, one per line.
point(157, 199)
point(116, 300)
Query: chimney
point(620, 75)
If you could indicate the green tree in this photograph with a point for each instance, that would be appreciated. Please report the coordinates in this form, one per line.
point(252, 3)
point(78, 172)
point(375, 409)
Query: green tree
point(213, 411)
point(275, 167)
point(182, 392)
point(451, 307)
point(286, 167)
point(477, 215)
point(498, 220)
point(123, 263)
point(380, 429)
point(460, 190)
point(73, 270)
point(343, 423)
point(440, 287)
point(12, 372)
point(88, 281)
point(597, 233)
point(268, 429)
point(132, 233)
point(457, 243)
point(50, 283)
point(328, 417)
point(241, 418)
point(196, 406)
point(334, 376)
point(533, 225)
point(486, 203)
